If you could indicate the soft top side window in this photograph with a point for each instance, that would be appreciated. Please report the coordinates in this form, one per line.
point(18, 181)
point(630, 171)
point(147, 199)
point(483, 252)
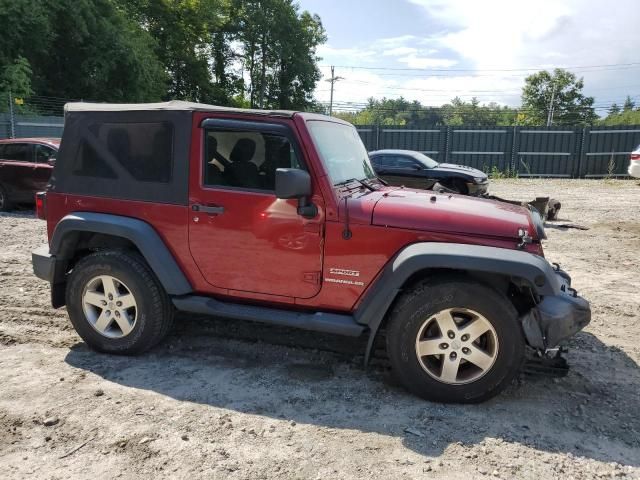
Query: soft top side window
point(142, 150)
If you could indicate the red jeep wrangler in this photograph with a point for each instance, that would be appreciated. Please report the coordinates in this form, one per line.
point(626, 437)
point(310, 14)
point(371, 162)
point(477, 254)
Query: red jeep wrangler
point(278, 217)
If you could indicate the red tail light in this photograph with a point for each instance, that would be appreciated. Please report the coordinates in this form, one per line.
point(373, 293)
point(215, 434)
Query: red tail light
point(635, 157)
point(41, 205)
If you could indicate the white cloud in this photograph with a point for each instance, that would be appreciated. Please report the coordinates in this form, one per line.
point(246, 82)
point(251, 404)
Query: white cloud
point(497, 41)
point(397, 51)
point(414, 61)
point(327, 50)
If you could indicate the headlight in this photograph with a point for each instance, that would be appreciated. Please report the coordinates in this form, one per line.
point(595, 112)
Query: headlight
point(538, 223)
point(479, 179)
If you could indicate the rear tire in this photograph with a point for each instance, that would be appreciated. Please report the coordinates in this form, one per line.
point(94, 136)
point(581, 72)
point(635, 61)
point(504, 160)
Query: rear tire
point(116, 304)
point(6, 204)
point(451, 368)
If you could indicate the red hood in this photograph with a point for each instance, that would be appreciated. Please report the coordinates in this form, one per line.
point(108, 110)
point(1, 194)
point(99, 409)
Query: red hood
point(450, 213)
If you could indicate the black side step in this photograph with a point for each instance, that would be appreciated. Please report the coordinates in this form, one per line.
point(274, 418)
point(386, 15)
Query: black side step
point(315, 321)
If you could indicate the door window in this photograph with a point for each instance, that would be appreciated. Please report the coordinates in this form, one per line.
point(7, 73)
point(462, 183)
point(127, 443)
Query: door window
point(246, 159)
point(384, 161)
point(44, 153)
point(18, 152)
point(405, 163)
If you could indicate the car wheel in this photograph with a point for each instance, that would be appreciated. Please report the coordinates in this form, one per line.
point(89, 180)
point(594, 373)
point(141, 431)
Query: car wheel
point(5, 202)
point(455, 340)
point(116, 304)
point(458, 186)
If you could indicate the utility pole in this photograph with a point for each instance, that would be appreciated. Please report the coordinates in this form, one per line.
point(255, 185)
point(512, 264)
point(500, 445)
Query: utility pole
point(332, 80)
point(550, 112)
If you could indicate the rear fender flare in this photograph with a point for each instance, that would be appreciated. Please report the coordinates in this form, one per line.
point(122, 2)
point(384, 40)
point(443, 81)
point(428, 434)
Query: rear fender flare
point(140, 233)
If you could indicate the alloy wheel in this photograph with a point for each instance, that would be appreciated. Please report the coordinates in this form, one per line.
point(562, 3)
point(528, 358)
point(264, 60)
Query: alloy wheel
point(457, 346)
point(109, 306)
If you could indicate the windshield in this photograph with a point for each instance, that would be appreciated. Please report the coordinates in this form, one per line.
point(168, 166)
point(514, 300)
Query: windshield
point(341, 150)
point(426, 161)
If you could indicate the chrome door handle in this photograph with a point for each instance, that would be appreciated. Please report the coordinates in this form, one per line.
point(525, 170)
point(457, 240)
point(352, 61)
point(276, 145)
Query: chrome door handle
point(206, 209)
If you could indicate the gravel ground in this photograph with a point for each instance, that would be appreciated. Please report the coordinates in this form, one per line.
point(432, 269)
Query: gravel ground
point(224, 400)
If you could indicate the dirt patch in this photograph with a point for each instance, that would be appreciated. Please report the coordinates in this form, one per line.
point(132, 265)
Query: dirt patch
point(224, 399)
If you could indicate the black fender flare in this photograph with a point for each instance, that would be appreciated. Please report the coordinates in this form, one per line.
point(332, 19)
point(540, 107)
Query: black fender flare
point(140, 233)
point(516, 264)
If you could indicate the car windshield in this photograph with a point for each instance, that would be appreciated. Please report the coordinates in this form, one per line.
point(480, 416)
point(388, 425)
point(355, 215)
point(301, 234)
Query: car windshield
point(426, 161)
point(341, 150)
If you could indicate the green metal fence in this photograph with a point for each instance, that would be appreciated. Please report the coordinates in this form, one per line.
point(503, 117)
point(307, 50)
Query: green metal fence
point(529, 151)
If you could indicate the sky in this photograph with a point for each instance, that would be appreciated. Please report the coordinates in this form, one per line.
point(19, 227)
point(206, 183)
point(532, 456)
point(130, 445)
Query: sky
point(434, 50)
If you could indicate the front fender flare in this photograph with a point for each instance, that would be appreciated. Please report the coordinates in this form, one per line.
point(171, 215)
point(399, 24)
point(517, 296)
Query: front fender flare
point(517, 264)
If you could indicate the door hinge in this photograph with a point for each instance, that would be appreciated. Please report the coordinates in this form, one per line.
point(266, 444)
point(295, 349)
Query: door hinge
point(311, 277)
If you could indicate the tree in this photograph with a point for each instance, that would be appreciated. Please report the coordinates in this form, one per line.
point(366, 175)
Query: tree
point(16, 78)
point(85, 49)
point(182, 30)
point(228, 52)
point(279, 52)
point(614, 109)
point(627, 117)
point(561, 94)
point(628, 104)
point(414, 114)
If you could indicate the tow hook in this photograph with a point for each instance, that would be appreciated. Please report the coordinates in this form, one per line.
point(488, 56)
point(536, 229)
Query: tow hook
point(525, 238)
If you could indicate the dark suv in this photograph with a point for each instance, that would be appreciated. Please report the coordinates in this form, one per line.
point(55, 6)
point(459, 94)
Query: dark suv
point(278, 217)
point(25, 167)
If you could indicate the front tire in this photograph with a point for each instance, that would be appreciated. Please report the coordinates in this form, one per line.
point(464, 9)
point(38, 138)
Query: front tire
point(116, 304)
point(455, 341)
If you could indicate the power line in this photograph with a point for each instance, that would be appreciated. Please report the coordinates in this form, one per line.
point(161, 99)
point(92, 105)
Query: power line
point(360, 67)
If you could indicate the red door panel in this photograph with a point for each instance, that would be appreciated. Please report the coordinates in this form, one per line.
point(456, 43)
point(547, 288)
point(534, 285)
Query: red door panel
point(257, 244)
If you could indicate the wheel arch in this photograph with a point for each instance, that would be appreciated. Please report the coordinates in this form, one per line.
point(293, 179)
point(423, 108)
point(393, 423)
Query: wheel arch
point(87, 231)
point(497, 267)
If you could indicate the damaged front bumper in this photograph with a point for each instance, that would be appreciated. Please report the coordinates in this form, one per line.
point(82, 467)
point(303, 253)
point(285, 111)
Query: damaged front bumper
point(557, 317)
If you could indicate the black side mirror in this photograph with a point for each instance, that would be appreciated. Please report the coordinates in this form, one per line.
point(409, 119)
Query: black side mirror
point(52, 161)
point(292, 183)
point(296, 183)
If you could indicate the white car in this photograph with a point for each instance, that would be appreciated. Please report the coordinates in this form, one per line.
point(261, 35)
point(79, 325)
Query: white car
point(634, 164)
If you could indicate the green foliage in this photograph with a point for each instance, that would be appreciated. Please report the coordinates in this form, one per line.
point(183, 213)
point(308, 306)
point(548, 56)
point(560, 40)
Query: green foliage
point(148, 50)
point(279, 52)
point(15, 82)
point(625, 117)
point(183, 31)
point(628, 104)
point(497, 174)
point(81, 49)
point(414, 114)
point(562, 92)
point(16, 78)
